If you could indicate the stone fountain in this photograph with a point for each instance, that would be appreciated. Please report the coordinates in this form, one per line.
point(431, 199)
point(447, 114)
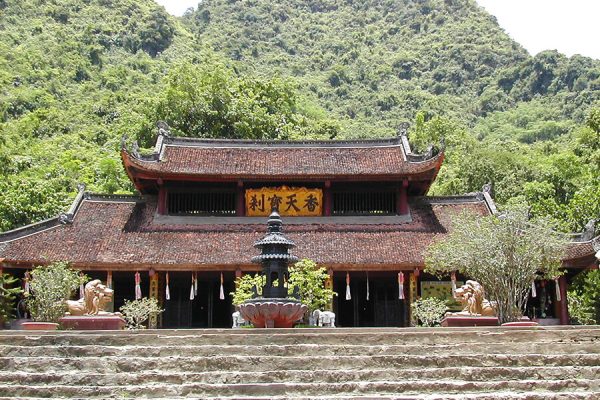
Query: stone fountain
point(274, 309)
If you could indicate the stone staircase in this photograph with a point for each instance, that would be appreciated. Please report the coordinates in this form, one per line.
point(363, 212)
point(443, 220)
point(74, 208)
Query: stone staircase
point(411, 363)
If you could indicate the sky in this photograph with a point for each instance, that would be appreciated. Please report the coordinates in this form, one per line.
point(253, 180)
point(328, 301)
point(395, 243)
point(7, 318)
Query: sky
point(569, 26)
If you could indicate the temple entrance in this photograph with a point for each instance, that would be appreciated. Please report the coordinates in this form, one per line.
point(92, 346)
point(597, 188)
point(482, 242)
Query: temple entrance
point(205, 310)
point(382, 308)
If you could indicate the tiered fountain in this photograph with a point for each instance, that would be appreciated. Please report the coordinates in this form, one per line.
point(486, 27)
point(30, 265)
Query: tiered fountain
point(274, 309)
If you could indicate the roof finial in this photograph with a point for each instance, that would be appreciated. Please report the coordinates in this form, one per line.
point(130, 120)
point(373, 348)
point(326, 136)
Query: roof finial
point(124, 142)
point(163, 128)
point(403, 129)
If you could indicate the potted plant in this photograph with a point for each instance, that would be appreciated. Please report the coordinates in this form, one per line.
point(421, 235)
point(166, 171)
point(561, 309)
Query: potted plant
point(8, 296)
point(51, 286)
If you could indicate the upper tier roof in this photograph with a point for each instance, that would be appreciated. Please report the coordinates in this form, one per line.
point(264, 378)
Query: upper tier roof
point(206, 159)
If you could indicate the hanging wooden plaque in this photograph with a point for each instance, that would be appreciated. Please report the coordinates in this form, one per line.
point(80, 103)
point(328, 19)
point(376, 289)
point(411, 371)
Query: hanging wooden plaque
point(289, 201)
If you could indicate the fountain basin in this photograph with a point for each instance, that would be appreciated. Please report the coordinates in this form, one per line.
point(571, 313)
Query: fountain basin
point(272, 313)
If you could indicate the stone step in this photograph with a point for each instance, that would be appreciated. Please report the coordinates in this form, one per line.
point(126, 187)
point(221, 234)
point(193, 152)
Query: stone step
point(338, 336)
point(538, 395)
point(589, 387)
point(267, 363)
point(310, 350)
point(77, 378)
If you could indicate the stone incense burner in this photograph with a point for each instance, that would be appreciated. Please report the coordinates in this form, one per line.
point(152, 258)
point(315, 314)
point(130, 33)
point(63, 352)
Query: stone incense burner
point(274, 309)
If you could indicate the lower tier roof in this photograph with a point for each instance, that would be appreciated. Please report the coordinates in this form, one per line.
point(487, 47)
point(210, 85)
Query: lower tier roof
point(124, 233)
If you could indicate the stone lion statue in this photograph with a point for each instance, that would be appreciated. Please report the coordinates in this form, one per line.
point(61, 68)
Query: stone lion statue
point(95, 298)
point(471, 296)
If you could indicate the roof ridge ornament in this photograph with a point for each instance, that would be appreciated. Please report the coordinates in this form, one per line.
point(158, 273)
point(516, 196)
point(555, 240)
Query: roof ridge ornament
point(403, 129)
point(589, 230)
point(163, 129)
point(67, 218)
point(124, 142)
point(486, 193)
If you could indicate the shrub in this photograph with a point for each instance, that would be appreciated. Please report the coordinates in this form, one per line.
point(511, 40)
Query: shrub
point(306, 275)
point(429, 311)
point(137, 312)
point(8, 295)
point(51, 286)
point(580, 310)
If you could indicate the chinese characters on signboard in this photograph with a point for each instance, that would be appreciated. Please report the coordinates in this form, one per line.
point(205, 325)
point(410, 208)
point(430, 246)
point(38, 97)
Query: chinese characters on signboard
point(288, 201)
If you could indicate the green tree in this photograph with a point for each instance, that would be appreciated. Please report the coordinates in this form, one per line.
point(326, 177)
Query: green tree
point(51, 285)
point(8, 296)
point(211, 100)
point(585, 293)
point(429, 311)
point(137, 312)
point(505, 253)
point(308, 277)
point(245, 286)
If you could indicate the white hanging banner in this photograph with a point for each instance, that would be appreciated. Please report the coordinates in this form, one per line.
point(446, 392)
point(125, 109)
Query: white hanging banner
point(195, 284)
point(557, 286)
point(400, 285)
point(533, 289)
point(221, 291)
point(348, 296)
point(192, 288)
point(81, 287)
point(453, 281)
point(109, 282)
point(27, 288)
point(367, 286)
point(138, 289)
point(167, 291)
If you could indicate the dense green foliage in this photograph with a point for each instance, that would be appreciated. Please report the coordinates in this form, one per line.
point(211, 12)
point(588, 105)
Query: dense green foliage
point(429, 311)
point(9, 291)
point(136, 312)
point(51, 286)
point(75, 75)
point(504, 253)
point(211, 100)
point(584, 298)
point(308, 278)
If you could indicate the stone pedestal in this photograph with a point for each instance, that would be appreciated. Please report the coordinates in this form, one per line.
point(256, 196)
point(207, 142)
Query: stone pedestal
point(469, 320)
point(524, 321)
point(272, 313)
point(39, 326)
point(93, 322)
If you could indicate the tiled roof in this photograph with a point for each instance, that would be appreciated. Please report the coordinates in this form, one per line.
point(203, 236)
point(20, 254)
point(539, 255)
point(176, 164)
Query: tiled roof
point(269, 160)
point(580, 249)
point(108, 233)
point(120, 233)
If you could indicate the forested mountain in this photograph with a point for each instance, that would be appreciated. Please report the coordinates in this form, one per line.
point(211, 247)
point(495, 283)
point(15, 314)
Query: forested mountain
point(75, 75)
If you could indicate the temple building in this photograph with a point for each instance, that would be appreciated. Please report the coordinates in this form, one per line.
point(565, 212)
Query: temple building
point(357, 207)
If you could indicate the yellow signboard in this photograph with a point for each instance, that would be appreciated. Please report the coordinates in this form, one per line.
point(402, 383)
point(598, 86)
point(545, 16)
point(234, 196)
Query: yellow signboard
point(288, 201)
point(442, 290)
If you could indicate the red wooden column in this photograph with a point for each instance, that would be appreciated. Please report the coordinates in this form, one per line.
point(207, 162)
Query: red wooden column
point(162, 198)
point(563, 306)
point(240, 206)
point(402, 200)
point(327, 199)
